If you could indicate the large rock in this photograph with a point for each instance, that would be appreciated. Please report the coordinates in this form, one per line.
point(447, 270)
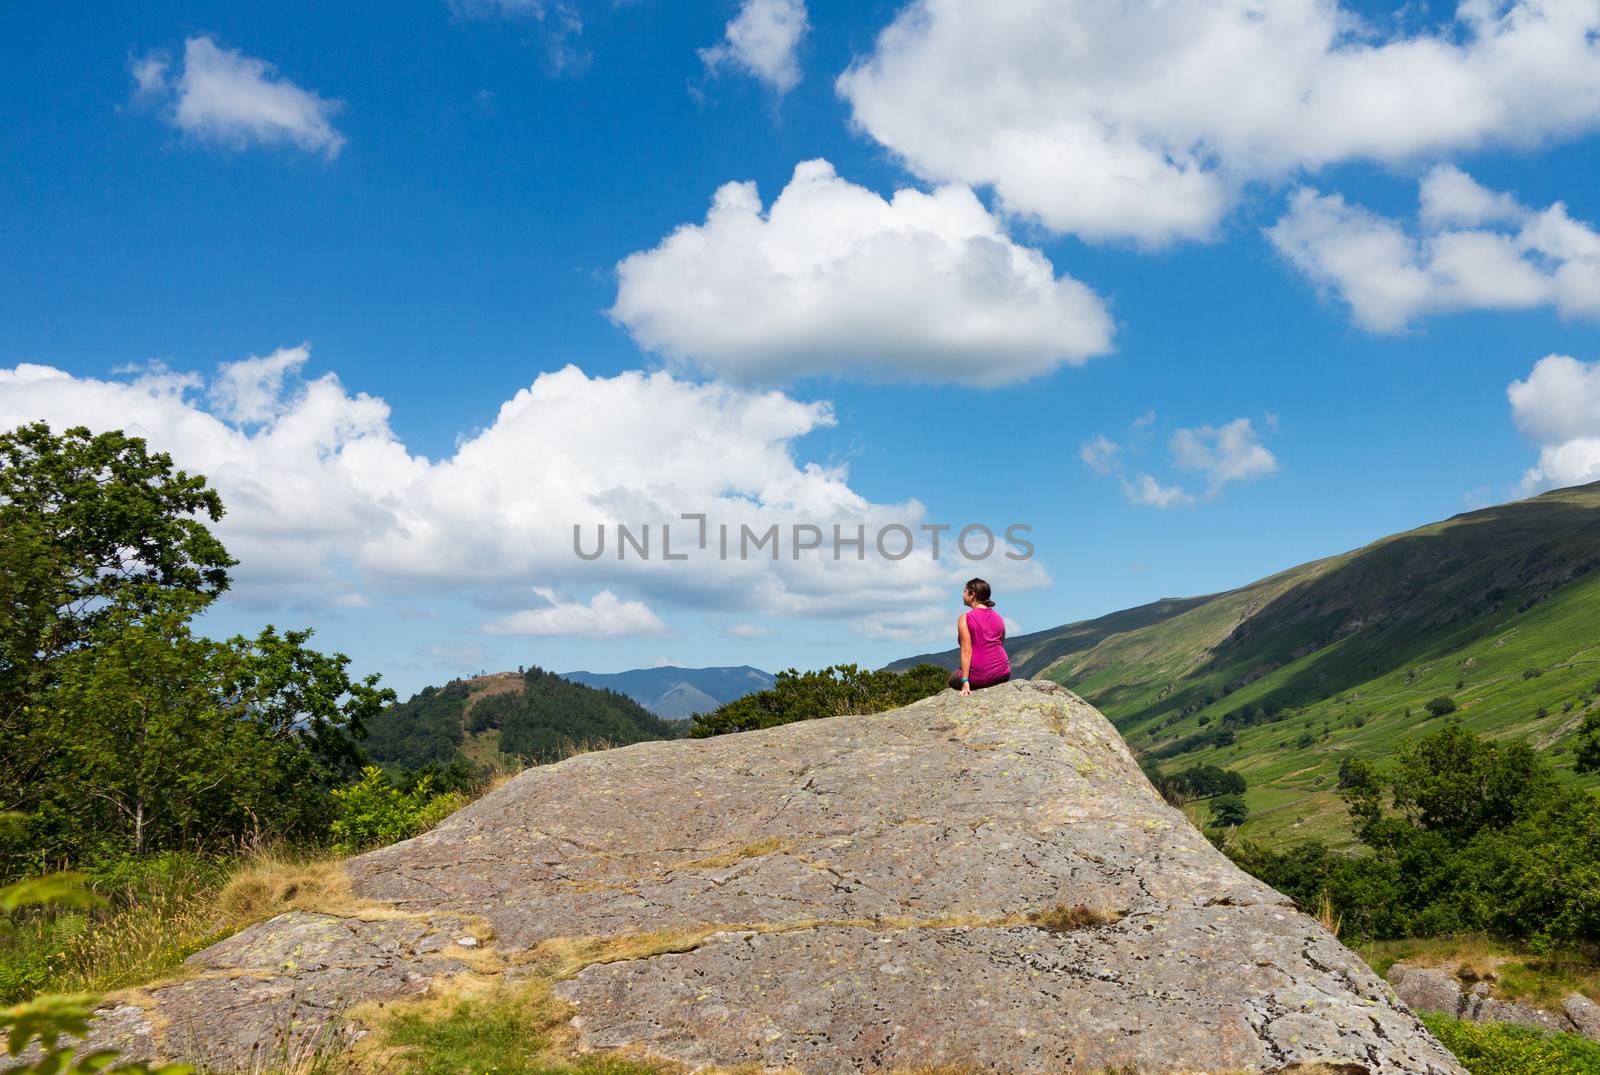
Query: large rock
point(1439, 989)
point(856, 895)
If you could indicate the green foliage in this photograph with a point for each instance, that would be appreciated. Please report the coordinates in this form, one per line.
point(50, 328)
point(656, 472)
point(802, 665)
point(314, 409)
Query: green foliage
point(164, 740)
point(426, 729)
point(121, 732)
point(88, 524)
point(44, 1020)
point(1588, 746)
point(551, 717)
point(1441, 706)
point(1464, 835)
point(1508, 1049)
point(835, 691)
point(1198, 782)
point(1229, 811)
point(375, 813)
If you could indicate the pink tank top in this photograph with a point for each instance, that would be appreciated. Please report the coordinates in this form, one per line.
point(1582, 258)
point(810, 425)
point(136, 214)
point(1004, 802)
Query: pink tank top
point(988, 633)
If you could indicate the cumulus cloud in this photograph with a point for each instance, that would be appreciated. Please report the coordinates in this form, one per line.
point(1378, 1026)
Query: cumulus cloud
point(1558, 408)
point(834, 279)
point(604, 616)
point(1227, 453)
point(763, 40)
point(224, 97)
point(324, 500)
point(1470, 249)
point(1145, 120)
point(1232, 452)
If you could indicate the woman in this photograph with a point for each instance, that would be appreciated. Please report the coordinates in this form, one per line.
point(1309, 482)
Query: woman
point(983, 634)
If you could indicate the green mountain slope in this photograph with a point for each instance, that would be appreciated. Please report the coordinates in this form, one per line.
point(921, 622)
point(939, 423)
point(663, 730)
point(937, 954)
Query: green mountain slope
point(526, 717)
point(1498, 610)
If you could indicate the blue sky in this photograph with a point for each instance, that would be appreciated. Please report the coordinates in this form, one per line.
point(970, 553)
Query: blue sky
point(1173, 305)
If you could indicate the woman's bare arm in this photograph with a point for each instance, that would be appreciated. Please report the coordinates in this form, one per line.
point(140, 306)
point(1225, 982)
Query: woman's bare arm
point(965, 635)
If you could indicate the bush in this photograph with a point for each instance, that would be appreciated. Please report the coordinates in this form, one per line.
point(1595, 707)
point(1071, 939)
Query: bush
point(836, 691)
point(44, 1020)
point(1441, 706)
point(1464, 835)
point(375, 813)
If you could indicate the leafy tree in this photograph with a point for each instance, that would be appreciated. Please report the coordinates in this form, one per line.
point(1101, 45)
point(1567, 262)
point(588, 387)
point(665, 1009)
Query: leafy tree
point(88, 523)
point(1229, 811)
point(1199, 782)
point(1356, 772)
point(165, 740)
point(1441, 706)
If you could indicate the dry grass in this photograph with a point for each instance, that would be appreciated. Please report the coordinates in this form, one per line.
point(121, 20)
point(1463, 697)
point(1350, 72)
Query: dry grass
point(274, 882)
point(1065, 918)
point(1330, 919)
point(769, 846)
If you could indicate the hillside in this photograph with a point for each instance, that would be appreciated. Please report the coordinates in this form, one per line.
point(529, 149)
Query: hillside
point(677, 693)
point(1498, 610)
point(532, 716)
point(983, 883)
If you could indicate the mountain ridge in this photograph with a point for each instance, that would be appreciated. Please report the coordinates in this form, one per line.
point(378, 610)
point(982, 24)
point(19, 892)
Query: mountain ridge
point(674, 692)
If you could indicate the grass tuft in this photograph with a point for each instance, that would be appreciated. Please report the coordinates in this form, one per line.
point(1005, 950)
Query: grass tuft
point(1065, 918)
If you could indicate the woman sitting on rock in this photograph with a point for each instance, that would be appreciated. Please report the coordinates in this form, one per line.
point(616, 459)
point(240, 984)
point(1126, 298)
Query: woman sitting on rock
point(983, 635)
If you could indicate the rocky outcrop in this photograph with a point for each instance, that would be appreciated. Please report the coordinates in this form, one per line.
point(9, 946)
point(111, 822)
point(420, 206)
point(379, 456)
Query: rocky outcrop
point(985, 881)
point(1441, 989)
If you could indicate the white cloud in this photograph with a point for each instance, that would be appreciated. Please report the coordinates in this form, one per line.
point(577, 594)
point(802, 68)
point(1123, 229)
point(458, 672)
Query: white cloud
point(1232, 452)
point(764, 41)
point(1558, 408)
point(749, 630)
point(1471, 249)
point(1144, 489)
point(1145, 120)
point(605, 616)
point(1101, 454)
point(1227, 453)
point(833, 279)
point(251, 390)
point(233, 100)
point(323, 499)
point(149, 75)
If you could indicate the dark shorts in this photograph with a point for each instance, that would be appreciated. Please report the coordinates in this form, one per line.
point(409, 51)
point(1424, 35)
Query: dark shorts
point(955, 681)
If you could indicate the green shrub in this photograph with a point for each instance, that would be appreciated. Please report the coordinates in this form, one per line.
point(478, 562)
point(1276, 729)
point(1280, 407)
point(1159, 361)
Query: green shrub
point(1441, 706)
point(836, 691)
point(375, 813)
point(1507, 1049)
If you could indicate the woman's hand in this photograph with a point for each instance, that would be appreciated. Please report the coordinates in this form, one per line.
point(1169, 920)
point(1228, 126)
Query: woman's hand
point(966, 688)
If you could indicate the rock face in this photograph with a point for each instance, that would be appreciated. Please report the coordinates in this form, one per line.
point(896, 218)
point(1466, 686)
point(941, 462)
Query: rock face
point(855, 894)
point(1439, 989)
